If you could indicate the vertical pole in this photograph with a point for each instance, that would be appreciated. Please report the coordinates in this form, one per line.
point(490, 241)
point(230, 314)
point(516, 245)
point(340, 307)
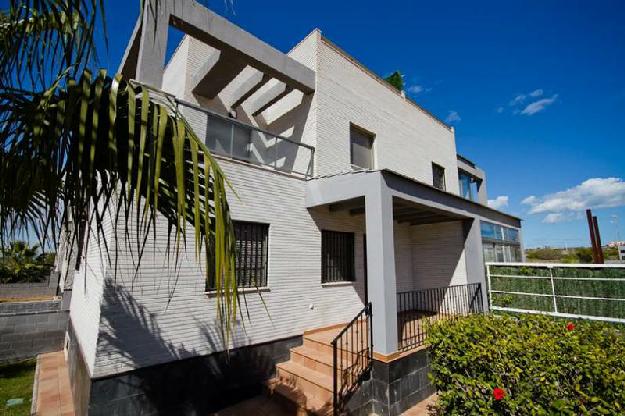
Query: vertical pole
point(334, 383)
point(370, 306)
point(553, 291)
point(595, 224)
point(593, 241)
point(489, 294)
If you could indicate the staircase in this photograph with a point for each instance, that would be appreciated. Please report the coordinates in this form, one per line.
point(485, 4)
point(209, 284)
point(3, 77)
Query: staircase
point(327, 368)
point(304, 383)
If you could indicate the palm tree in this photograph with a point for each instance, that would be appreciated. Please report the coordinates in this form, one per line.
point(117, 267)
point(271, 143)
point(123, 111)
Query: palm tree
point(20, 263)
point(75, 146)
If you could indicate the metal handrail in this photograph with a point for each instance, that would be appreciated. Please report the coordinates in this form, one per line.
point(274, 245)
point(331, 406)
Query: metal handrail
point(349, 366)
point(237, 122)
point(417, 308)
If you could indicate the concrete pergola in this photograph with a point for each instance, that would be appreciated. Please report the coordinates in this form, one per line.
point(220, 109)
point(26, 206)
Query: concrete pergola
point(144, 58)
point(384, 197)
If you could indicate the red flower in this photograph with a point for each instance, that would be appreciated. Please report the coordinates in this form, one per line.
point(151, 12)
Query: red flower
point(570, 326)
point(498, 393)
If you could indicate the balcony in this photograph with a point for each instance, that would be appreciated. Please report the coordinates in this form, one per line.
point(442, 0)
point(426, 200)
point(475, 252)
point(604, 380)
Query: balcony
point(235, 140)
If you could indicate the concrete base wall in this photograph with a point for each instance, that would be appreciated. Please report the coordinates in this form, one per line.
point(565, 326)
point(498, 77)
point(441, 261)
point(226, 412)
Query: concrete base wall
point(393, 388)
point(79, 377)
point(193, 386)
point(31, 328)
point(30, 290)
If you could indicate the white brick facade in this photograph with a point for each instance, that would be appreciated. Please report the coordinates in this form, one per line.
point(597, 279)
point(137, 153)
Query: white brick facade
point(126, 320)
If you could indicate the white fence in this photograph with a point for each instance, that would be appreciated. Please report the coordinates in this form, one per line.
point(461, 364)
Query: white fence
point(587, 291)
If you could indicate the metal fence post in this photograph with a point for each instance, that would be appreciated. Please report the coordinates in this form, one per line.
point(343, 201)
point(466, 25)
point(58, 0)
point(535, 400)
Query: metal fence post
point(553, 291)
point(489, 294)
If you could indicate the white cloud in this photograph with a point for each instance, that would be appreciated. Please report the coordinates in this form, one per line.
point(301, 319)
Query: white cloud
point(498, 203)
point(415, 89)
point(536, 93)
point(592, 193)
point(453, 117)
point(538, 106)
point(554, 217)
point(517, 100)
point(529, 200)
point(499, 110)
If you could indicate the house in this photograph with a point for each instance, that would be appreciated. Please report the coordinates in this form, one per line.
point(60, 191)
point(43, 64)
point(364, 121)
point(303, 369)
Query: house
point(348, 193)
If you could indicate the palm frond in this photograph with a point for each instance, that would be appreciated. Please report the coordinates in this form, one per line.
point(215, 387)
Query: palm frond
point(72, 152)
point(43, 41)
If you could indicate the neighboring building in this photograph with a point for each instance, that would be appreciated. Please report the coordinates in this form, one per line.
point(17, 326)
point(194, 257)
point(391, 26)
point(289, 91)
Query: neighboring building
point(347, 193)
point(621, 252)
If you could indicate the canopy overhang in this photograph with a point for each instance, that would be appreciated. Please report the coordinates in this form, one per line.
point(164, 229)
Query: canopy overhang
point(144, 58)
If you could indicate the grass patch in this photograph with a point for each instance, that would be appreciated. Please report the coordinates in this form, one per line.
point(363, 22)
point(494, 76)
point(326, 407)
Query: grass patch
point(16, 382)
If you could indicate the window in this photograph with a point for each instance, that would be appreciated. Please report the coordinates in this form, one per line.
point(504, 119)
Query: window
point(337, 256)
point(361, 148)
point(501, 244)
point(465, 185)
point(251, 255)
point(438, 176)
point(469, 185)
point(488, 230)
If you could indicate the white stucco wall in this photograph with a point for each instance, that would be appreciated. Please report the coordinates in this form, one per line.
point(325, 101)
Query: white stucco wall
point(407, 139)
point(163, 313)
point(87, 294)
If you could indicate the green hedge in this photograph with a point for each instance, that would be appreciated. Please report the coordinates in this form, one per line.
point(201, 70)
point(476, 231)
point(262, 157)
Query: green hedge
point(543, 367)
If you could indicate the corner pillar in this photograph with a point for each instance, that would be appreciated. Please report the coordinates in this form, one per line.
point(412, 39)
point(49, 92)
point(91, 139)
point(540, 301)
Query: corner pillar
point(474, 257)
point(382, 285)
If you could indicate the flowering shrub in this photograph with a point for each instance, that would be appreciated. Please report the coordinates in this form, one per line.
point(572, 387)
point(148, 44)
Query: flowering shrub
point(504, 365)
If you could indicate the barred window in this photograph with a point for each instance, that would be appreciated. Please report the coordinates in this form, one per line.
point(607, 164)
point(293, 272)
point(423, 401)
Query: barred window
point(251, 255)
point(337, 256)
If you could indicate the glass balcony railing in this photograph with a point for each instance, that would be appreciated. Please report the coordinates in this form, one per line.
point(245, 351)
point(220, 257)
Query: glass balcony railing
point(231, 138)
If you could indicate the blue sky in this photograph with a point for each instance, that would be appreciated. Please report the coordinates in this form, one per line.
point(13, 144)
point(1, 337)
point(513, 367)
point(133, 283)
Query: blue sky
point(535, 89)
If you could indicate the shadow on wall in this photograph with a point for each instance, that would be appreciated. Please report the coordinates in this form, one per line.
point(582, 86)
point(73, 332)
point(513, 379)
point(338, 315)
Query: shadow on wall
point(255, 146)
point(184, 382)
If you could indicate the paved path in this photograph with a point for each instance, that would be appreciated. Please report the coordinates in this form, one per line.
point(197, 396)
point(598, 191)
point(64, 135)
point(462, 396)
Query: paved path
point(54, 394)
point(263, 406)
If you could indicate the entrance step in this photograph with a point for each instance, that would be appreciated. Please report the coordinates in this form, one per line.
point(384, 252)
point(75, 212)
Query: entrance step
point(304, 383)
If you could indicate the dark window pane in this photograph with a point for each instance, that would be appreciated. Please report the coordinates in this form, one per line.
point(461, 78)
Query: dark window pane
point(219, 135)
point(361, 148)
point(337, 256)
point(241, 138)
point(438, 176)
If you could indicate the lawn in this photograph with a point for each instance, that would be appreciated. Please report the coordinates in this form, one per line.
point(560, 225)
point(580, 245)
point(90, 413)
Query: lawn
point(16, 382)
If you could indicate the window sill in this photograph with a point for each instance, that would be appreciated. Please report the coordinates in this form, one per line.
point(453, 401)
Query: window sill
point(243, 290)
point(334, 284)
